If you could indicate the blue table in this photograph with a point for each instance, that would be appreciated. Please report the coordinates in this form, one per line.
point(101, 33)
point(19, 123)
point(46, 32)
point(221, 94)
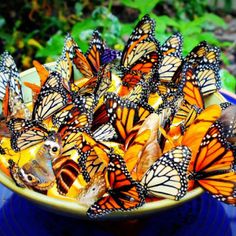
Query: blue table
point(202, 216)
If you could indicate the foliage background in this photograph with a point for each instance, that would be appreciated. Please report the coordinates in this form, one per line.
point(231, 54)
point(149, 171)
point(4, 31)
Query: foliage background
point(36, 29)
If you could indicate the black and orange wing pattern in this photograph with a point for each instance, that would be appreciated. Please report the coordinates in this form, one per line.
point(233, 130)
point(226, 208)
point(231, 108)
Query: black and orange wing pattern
point(172, 57)
point(212, 168)
point(140, 56)
point(123, 193)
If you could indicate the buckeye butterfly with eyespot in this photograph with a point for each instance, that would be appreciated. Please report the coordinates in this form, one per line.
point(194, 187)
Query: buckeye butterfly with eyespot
point(123, 193)
point(37, 173)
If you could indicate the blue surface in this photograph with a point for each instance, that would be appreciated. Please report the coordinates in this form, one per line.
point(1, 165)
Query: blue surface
point(201, 216)
point(229, 98)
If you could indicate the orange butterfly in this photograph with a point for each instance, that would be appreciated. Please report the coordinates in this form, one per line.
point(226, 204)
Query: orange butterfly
point(123, 192)
point(212, 166)
point(171, 61)
point(90, 63)
point(140, 56)
point(93, 157)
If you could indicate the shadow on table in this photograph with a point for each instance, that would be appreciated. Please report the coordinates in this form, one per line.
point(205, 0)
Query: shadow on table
point(201, 216)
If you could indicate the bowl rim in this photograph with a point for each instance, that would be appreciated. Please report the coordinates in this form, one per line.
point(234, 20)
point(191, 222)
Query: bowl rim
point(74, 208)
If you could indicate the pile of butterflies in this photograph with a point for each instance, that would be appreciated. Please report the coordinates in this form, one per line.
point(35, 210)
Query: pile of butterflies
point(117, 129)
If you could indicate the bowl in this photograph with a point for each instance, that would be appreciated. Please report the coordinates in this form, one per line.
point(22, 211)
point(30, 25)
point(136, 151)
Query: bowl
point(73, 208)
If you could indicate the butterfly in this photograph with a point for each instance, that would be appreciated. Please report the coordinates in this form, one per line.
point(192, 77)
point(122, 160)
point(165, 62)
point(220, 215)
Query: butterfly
point(65, 166)
point(9, 75)
point(90, 63)
point(167, 177)
point(228, 120)
point(123, 192)
point(172, 57)
point(124, 114)
point(145, 145)
point(191, 86)
point(201, 54)
point(93, 157)
point(37, 173)
point(52, 98)
point(25, 134)
point(212, 166)
point(13, 103)
point(140, 55)
point(198, 127)
point(93, 190)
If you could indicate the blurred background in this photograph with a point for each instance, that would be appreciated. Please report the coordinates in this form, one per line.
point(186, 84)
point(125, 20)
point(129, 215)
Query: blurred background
point(36, 29)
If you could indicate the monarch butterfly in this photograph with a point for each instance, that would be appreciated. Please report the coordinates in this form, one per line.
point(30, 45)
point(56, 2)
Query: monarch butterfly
point(52, 98)
point(90, 63)
point(29, 136)
point(10, 89)
point(93, 158)
point(37, 173)
point(74, 117)
point(185, 115)
point(167, 177)
point(191, 87)
point(209, 79)
point(134, 149)
point(124, 114)
point(198, 127)
point(151, 150)
point(211, 167)
point(140, 56)
point(201, 54)
point(104, 81)
point(123, 192)
point(172, 53)
point(204, 53)
point(139, 94)
point(9, 75)
point(104, 133)
point(13, 106)
point(64, 68)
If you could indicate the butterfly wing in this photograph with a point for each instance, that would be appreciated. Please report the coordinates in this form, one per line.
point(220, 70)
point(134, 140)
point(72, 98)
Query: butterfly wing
point(140, 55)
point(124, 193)
point(171, 61)
point(167, 177)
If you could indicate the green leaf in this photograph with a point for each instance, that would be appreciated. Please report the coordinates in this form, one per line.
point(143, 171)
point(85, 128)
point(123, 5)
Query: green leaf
point(143, 6)
point(53, 47)
point(214, 19)
point(225, 59)
point(228, 81)
point(78, 9)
